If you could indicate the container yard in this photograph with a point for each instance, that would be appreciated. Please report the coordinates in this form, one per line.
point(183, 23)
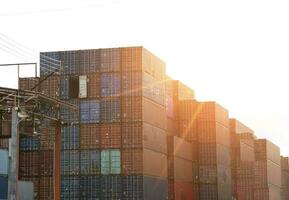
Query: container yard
point(136, 134)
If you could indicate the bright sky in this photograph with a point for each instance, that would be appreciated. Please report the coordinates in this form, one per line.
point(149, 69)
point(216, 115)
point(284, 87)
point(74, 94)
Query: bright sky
point(234, 52)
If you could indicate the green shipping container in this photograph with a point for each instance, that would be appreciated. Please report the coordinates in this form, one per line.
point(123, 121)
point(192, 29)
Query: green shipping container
point(110, 162)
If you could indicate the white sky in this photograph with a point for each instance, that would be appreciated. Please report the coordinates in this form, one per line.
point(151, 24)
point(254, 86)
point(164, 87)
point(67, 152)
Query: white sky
point(234, 52)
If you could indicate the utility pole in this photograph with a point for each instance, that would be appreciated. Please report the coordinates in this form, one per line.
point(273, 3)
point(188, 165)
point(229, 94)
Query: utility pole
point(13, 157)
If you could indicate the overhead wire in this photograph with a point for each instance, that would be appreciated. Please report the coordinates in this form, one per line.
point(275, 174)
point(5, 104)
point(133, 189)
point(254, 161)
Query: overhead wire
point(21, 48)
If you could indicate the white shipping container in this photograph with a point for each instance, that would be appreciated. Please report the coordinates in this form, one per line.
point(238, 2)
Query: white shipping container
point(82, 86)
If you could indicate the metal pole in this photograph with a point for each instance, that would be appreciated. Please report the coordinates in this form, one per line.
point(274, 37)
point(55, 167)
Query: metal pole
point(56, 162)
point(14, 151)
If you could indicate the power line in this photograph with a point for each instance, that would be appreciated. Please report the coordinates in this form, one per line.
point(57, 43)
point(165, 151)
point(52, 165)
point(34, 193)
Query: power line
point(23, 48)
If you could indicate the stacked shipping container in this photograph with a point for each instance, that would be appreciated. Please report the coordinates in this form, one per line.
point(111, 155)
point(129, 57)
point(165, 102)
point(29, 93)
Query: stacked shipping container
point(140, 135)
point(284, 178)
point(121, 128)
point(180, 168)
point(242, 160)
point(267, 171)
point(213, 151)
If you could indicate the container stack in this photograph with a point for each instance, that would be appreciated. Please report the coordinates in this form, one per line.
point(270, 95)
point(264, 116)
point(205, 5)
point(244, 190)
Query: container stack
point(181, 126)
point(3, 174)
point(108, 151)
point(213, 151)
point(36, 151)
point(284, 178)
point(180, 169)
point(242, 160)
point(267, 171)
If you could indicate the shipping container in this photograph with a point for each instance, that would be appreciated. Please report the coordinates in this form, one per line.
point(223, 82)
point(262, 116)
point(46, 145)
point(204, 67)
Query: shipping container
point(111, 187)
point(132, 161)
point(84, 61)
point(152, 65)
point(132, 135)
point(29, 83)
point(183, 190)
point(70, 137)
point(110, 59)
point(264, 149)
point(224, 182)
point(51, 86)
point(45, 190)
point(131, 108)
point(29, 143)
point(89, 136)
point(5, 127)
point(154, 89)
point(183, 169)
point(110, 110)
point(46, 162)
point(70, 162)
point(4, 187)
point(93, 85)
point(68, 115)
point(49, 62)
point(29, 163)
point(4, 162)
point(131, 59)
point(213, 132)
point(90, 162)
point(4, 143)
point(70, 62)
point(110, 135)
point(155, 188)
point(180, 148)
point(153, 113)
point(90, 187)
point(211, 153)
point(64, 87)
point(110, 161)
point(110, 84)
point(154, 138)
point(266, 172)
point(70, 188)
point(154, 163)
point(47, 136)
point(132, 187)
point(90, 111)
point(208, 191)
point(25, 190)
point(131, 84)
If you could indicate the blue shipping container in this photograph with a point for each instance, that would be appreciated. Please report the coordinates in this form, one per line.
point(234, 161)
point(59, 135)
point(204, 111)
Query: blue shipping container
point(49, 61)
point(111, 187)
point(29, 143)
point(68, 115)
point(90, 162)
point(155, 188)
point(110, 84)
point(70, 162)
point(3, 187)
point(89, 111)
point(70, 61)
point(70, 188)
point(64, 87)
point(132, 187)
point(70, 137)
point(3, 162)
point(90, 187)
